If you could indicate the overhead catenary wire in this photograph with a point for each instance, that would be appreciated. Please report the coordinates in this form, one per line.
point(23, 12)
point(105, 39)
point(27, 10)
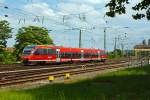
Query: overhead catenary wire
point(72, 14)
point(66, 15)
point(43, 18)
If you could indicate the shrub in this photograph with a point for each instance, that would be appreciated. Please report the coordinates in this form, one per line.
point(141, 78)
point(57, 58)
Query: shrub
point(7, 57)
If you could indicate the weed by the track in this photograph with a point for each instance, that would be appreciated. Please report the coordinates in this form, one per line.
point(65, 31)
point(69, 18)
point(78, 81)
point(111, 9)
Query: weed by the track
point(129, 84)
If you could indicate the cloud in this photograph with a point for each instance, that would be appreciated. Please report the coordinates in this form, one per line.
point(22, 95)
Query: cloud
point(74, 8)
point(2, 1)
point(41, 9)
point(96, 1)
point(90, 1)
point(75, 11)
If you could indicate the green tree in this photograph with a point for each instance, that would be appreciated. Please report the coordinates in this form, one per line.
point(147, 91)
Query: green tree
point(5, 31)
point(7, 57)
point(119, 7)
point(31, 35)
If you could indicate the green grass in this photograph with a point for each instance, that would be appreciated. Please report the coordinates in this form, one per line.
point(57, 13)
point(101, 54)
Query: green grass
point(129, 84)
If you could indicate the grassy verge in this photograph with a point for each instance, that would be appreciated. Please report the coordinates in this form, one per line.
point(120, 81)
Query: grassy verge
point(129, 84)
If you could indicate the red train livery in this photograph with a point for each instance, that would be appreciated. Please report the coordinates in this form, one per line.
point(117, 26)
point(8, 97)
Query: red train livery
point(36, 54)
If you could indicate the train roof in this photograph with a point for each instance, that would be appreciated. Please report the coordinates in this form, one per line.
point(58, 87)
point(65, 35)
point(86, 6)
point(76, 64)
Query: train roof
point(59, 47)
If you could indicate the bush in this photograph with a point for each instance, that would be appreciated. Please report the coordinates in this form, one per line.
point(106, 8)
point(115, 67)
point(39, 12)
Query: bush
point(7, 57)
point(111, 55)
point(115, 54)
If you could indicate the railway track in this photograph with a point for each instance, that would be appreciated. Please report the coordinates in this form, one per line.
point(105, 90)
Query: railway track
point(21, 76)
point(14, 67)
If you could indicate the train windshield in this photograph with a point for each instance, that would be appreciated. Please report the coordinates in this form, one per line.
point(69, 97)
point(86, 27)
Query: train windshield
point(27, 50)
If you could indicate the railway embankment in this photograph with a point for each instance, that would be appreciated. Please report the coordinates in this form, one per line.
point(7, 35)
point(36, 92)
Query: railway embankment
point(125, 84)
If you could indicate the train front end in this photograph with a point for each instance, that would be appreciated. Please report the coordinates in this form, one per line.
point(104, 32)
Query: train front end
point(27, 54)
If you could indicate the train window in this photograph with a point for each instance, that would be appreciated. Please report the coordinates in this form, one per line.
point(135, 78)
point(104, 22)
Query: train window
point(92, 54)
point(68, 54)
point(95, 55)
point(102, 53)
point(86, 55)
point(105, 53)
point(44, 51)
point(51, 51)
point(41, 52)
point(29, 48)
point(26, 52)
point(89, 55)
point(38, 52)
point(73, 55)
point(79, 55)
point(76, 55)
point(63, 55)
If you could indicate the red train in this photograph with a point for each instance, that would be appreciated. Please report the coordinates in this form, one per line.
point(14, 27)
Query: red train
point(40, 54)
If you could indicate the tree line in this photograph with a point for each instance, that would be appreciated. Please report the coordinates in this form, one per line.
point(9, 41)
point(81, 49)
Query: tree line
point(30, 35)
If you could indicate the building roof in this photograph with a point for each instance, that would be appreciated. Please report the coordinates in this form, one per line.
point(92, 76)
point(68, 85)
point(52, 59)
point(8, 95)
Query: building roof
point(142, 47)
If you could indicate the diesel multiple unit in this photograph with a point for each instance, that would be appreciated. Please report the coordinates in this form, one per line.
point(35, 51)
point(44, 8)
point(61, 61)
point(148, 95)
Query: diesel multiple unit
point(40, 54)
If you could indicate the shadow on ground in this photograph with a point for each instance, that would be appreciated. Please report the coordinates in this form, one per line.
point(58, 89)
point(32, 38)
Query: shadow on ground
point(130, 84)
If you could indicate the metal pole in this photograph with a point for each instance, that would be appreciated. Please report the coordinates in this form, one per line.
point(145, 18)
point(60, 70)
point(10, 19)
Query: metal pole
point(105, 38)
point(122, 47)
point(80, 39)
point(148, 58)
point(115, 44)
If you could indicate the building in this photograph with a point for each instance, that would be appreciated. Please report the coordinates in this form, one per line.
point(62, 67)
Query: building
point(142, 50)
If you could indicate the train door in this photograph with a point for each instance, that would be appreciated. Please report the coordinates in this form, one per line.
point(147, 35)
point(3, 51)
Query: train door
point(99, 55)
point(82, 55)
point(57, 55)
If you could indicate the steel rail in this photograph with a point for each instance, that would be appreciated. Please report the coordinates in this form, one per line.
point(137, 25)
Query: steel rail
point(36, 77)
point(15, 67)
point(18, 73)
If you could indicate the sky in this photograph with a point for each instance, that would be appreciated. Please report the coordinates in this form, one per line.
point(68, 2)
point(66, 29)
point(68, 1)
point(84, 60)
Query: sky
point(64, 18)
